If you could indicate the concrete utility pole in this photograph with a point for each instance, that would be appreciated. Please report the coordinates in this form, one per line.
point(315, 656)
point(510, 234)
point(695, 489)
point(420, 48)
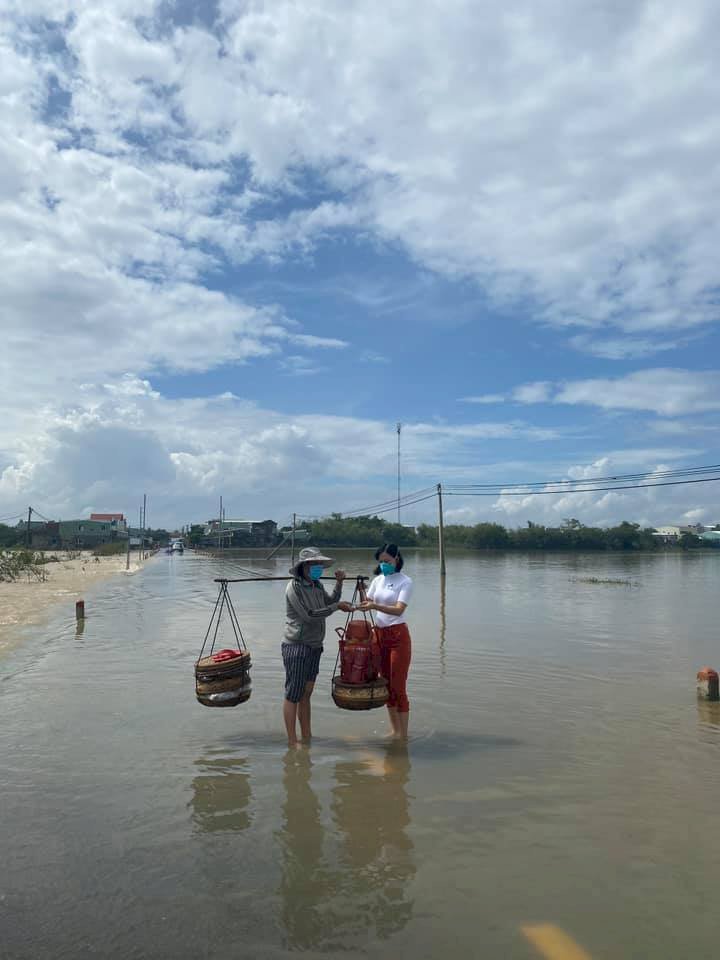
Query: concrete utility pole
point(28, 535)
point(441, 531)
point(399, 428)
point(292, 545)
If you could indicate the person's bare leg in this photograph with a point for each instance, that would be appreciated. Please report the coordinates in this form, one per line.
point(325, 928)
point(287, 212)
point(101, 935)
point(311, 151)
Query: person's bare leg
point(290, 712)
point(402, 725)
point(304, 713)
point(394, 722)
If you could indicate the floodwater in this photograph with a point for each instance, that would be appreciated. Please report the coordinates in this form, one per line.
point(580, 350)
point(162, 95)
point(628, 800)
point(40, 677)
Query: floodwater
point(560, 772)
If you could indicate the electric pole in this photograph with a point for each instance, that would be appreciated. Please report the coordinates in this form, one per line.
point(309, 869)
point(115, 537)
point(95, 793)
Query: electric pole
point(441, 532)
point(399, 428)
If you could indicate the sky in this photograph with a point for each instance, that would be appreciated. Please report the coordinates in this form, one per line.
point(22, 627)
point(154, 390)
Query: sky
point(242, 240)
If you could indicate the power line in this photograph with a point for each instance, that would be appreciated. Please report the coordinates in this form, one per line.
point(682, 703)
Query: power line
point(650, 475)
point(636, 481)
point(386, 505)
point(539, 493)
point(382, 506)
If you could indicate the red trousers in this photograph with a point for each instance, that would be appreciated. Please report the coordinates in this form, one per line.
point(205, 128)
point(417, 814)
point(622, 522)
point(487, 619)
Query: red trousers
point(395, 652)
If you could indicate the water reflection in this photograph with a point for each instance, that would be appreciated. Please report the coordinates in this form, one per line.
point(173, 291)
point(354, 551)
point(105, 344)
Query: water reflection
point(221, 795)
point(708, 713)
point(370, 810)
point(443, 624)
point(306, 882)
point(337, 897)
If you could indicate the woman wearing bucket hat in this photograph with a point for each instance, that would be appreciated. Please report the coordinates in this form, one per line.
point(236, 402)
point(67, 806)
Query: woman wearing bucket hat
point(388, 595)
point(308, 605)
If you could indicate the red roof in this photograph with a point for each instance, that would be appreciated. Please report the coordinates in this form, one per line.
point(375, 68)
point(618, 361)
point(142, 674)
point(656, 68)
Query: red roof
point(106, 516)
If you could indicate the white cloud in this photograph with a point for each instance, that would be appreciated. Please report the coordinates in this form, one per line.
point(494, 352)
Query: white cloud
point(124, 436)
point(533, 392)
point(622, 348)
point(648, 505)
point(572, 166)
point(572, 163)
point(484, 398)
point(663, 390)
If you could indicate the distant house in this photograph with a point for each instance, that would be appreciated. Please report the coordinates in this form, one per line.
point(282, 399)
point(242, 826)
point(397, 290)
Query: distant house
point(116, 520)
point(43, 535)
point(675, 531)
point(240, 533)
point(82, 534)
point(71, 534)
point(711, 536)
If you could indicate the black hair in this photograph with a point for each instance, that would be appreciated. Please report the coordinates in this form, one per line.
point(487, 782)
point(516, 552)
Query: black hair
point(392, 550)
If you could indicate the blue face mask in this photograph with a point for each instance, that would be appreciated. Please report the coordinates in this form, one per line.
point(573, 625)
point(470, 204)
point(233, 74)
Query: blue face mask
point(387, 568)
point(316, 571)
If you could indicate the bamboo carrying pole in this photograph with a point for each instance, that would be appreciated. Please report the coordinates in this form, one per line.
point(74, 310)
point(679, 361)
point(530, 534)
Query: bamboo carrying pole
point(267, 579)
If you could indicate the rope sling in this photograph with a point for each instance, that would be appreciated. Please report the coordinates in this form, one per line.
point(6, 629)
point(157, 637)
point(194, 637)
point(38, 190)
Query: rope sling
point(356, 683)
point(222, 679)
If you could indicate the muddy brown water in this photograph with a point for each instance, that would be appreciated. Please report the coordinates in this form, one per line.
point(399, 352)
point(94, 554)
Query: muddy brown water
point(560, 771)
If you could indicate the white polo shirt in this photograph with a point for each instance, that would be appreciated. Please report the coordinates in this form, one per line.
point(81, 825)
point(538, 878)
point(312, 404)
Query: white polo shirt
point(397, 588)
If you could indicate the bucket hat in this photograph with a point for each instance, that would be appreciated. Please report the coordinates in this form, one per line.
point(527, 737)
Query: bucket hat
point(310, 555)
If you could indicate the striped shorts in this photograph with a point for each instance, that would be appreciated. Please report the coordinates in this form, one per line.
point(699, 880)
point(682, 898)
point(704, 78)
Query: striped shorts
point(302, 664)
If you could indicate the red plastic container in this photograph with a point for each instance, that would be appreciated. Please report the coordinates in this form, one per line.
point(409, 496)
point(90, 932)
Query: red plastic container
point(358, 629)
point(357, 663)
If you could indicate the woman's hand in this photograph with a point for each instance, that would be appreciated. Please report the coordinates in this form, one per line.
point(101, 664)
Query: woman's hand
point(366, 605)
point(340, 575)
point(345, 606)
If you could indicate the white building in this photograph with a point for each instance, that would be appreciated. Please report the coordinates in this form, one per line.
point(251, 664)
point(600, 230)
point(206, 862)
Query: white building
point(675, 531)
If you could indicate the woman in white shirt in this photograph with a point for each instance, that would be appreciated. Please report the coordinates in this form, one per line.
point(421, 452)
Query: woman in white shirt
point(388, 595)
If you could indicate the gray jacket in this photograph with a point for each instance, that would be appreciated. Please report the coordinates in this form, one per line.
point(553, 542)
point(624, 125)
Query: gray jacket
point(307, 607)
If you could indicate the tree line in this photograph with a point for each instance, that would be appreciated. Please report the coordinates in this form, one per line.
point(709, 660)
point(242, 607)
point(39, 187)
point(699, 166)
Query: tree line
point(369, 531)
point(372, 531)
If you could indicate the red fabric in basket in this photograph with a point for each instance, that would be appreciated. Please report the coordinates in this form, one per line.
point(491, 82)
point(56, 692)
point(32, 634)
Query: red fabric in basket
point(226, 654)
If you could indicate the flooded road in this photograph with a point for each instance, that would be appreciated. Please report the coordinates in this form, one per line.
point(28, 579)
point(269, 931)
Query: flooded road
point(560, 771)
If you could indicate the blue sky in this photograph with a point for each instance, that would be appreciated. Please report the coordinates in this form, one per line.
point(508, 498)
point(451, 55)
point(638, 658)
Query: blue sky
point(243, 240)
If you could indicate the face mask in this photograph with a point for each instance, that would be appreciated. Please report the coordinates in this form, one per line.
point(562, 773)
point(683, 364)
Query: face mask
point(387, 568)
point(316, 571)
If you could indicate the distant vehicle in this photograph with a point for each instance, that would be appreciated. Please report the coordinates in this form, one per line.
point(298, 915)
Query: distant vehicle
point(177, 545)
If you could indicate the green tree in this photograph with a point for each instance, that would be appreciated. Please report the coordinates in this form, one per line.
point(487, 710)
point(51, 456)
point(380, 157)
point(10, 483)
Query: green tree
point(489, 536)
point(196, 534)
point(688, 541)
point(9, 536)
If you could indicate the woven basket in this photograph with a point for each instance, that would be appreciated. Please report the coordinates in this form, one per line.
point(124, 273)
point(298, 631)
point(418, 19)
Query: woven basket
point(236, 675)
point(360, 696)
point(221, 686)
point(230, 668)
point(226, 698)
